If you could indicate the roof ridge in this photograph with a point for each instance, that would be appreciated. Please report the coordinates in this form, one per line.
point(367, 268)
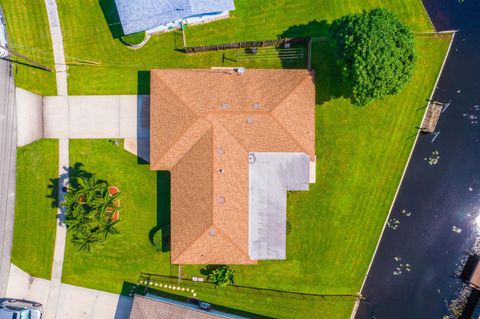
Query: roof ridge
point(174, 93)
point(193, 242)
point(156, 77)
point(182, 135)
point(291, 91)
point(231, 241)
point(279, 103)
point(217, 229)
point(295, 141)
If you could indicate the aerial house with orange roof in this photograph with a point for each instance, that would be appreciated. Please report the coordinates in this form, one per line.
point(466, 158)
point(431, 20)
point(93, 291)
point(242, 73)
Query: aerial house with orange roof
point(234, 143)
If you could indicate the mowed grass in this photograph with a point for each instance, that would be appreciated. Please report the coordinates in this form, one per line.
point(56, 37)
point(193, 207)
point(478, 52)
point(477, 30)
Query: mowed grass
point(123, 256)
point(35, 217)
point(334, 227)
point(100, 64)
point(29, 34)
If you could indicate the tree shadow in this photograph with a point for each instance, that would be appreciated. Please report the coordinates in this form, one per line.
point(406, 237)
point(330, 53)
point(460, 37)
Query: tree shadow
point(57, 187)
point(163, 205)
point(110, 12)
point(328, 78)
point(208, 269)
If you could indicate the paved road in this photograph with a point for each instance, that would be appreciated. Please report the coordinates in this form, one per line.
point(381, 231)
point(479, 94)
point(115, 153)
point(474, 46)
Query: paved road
point(7, 169)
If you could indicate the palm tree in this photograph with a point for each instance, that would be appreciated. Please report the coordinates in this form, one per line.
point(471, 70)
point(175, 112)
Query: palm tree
point(88, 211)
point(91, 188)
point(108, 202)
point(108, 228)
point(84, 240)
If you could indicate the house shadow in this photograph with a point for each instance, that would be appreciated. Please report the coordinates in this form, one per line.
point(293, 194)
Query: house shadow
point(143, 118)
point(125, 301)
point(328, 78)
point(143, 156)
point(163, 207)
point(110, 12)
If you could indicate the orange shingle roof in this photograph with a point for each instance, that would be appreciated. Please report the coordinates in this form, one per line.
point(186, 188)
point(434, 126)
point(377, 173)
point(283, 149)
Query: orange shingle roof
point(203, 125)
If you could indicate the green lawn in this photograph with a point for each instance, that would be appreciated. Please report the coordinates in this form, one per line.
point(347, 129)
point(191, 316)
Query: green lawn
point(87, 38)
point(35, 218)
point(335, 226)
point(29, 34)
point(100, 64)
point(124, 255)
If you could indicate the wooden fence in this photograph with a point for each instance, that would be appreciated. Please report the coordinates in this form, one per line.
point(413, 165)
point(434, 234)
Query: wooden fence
point(248, 44)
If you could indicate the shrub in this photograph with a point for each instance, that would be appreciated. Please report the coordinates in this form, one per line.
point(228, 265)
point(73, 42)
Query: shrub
point(375, 52)
point(222, 276)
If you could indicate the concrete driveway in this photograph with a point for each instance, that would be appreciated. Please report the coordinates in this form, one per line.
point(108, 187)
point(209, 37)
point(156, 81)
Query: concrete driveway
point(74, 302)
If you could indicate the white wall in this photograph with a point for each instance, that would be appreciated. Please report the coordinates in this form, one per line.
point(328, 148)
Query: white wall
point(29, 107)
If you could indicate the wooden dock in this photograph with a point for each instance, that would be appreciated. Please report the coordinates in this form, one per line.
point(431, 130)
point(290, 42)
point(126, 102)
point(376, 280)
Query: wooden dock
point(434, 109)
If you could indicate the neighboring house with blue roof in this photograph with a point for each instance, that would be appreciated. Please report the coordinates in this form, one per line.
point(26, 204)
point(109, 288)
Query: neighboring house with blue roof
point(164, 15)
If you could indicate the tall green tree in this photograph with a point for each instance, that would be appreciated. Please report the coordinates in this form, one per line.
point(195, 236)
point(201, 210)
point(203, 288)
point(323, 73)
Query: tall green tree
point(375, 52)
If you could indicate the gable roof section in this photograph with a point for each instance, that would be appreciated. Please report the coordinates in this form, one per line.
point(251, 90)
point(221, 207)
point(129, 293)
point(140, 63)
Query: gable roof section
point(141, 15)
point(205, 144)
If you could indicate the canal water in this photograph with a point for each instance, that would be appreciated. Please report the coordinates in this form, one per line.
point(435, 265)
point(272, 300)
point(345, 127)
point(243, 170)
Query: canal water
point(435, 221)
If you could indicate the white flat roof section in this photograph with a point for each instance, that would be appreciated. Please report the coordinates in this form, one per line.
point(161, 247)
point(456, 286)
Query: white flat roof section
point(271, 175)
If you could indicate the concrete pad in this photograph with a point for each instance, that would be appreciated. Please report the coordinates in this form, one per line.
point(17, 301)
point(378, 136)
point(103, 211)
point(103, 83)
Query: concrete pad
point(29, 107)
point(128, 116)
point(82, 303)
point(94, 116)
point(270, 176)
point(23, 286)
point(73, 302)
point(55, 117)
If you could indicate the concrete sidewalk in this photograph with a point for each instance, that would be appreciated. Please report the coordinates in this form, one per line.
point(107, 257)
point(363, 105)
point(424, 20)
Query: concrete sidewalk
point(57, 45)
point(74, 302)
point(60, 234)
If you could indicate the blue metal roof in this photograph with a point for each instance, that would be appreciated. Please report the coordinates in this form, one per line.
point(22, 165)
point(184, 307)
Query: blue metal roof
point(141, 15)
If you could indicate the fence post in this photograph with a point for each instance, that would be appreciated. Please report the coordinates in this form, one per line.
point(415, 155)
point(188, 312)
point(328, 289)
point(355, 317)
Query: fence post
point(148, 283)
